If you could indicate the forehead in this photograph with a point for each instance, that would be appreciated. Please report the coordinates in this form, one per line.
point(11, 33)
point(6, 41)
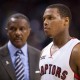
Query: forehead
point(51, 11)
point(15, 21)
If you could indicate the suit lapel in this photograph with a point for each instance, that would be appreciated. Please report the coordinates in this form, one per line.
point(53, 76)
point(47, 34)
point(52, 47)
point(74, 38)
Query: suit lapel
point(7, 64)
point(31, 63)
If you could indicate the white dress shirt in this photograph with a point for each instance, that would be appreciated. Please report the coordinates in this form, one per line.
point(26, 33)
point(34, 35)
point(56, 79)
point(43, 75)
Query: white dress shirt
point(24, 57)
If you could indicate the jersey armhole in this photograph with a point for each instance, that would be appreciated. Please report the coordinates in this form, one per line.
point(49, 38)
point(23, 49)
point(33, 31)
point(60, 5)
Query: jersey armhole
point(77, 76)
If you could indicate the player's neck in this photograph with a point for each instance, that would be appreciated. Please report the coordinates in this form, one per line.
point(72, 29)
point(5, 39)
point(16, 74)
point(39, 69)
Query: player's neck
point(53, 49)
point(61, 41)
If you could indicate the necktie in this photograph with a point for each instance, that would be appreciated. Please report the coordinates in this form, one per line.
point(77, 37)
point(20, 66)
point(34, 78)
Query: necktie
point(19, 69)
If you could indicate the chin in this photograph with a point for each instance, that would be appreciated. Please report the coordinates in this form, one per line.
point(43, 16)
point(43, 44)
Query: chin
point(18, 45)
point(49, 35)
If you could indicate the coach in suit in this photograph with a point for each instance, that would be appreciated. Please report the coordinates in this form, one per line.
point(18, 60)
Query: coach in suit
point(18, 30)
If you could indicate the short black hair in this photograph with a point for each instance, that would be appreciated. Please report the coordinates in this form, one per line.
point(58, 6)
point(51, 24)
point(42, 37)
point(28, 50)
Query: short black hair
point(18, 16)
point(64, 11)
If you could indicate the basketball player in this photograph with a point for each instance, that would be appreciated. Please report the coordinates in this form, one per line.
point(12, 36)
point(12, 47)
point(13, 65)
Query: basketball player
point(60, 60)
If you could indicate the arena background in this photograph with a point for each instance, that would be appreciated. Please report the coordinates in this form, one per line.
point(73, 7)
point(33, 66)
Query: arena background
point(34, 10)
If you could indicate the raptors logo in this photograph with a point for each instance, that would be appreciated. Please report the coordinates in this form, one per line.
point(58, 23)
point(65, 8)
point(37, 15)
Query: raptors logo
point(54, 70)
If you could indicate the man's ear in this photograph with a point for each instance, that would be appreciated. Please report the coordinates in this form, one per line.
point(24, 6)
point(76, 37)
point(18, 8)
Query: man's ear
point(29, 30)
point(66, 21)
point(6, 29)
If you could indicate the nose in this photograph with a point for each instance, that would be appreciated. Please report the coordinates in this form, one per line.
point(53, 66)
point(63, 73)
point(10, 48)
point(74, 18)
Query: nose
point(45, 23)
point(18, 32)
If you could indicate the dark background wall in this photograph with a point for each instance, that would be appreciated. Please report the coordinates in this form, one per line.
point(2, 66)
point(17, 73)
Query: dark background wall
point(34, 10)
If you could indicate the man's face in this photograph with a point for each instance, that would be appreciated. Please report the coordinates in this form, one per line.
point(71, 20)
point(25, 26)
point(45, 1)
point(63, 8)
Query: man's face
point(18, 31)
point(53, 23)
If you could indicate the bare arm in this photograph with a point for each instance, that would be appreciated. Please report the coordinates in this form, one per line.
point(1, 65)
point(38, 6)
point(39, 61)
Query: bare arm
point(75, 60)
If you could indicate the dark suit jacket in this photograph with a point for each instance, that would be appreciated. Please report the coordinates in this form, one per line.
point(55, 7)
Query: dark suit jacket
point(7, 71)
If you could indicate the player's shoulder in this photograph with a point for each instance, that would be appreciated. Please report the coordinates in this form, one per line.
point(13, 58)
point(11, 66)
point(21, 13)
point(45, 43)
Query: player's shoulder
point(76, 49)
point(76, 44)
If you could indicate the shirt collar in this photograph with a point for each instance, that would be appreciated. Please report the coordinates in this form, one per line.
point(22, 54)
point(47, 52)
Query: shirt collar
point(13, 49)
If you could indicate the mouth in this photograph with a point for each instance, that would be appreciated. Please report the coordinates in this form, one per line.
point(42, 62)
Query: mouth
point(17, 40)
point(46, 29)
